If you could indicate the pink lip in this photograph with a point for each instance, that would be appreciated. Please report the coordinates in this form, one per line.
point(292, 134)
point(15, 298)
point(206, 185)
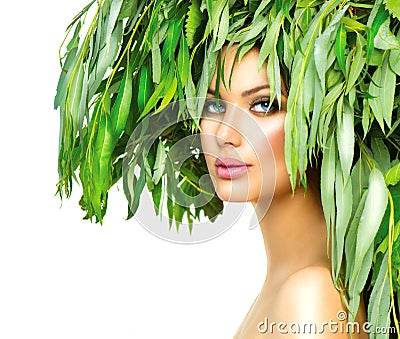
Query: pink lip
point(230, 168)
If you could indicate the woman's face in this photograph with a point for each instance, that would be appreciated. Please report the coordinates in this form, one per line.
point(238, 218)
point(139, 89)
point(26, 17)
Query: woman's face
point(242, 135)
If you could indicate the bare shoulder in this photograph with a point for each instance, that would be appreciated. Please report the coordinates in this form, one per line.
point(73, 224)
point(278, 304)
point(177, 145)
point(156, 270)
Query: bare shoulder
point(310, 283)
point(308, 298)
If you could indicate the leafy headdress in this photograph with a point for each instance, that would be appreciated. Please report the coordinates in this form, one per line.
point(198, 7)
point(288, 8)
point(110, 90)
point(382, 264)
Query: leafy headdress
point(341, 62)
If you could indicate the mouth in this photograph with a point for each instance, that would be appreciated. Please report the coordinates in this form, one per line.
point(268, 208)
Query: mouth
point(230, 168)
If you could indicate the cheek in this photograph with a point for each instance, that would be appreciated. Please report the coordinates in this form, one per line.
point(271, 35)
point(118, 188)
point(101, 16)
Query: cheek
point(274, 129)
point(276, 137)
point(206, 142)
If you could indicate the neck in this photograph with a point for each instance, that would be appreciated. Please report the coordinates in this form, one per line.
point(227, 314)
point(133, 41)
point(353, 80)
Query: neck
point(295, 235)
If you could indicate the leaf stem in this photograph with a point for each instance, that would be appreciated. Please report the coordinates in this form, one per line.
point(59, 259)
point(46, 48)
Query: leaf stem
point(193, 184)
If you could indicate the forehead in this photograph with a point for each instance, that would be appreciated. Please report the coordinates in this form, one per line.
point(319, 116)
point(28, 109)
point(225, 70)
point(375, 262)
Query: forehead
point(245, 73)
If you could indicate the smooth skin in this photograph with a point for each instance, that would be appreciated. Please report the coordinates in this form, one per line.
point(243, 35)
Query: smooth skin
point(298, 287)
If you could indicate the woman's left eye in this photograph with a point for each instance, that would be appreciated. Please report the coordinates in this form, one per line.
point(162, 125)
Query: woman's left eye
point(263, 106)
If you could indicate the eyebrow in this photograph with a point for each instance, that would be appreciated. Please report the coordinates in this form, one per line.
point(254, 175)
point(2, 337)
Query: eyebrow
point(247, 92)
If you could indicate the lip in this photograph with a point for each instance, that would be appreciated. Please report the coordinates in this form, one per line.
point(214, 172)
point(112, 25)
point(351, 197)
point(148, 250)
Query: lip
point(229, 162)
point(230, 168)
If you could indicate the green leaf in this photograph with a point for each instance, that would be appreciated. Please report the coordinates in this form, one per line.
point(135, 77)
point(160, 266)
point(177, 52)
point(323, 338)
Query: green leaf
point(366, 117)
point(179, 211)
point(263, 4)
point(256, 27)
point(316, 115)
point(172, 39)
point(157, 94)
point(328, 177)
point(121, 107)
point(156, 194)
point(357, 63)
point(145, 88)
point(378, 307)
point(156, 63)
point(193, 22)
point(385, 39)
point(106, 57)
point(351, 237)
point(277, 79)
point(65, 75)
point(149, 177)
point(376, 19)
point(376, 57)
point(190, 93)
point(327, 109)
point(340, 47)
point(392, 177)
point(310, 78)
point(288, 52)
point(159, 165)
point(393, 7)
point(272, 35)
point(357, 284)
point(75, 93)
point(183, 61)
point(112, 18)
point(353, 25)
point(374, 209)
point(383, 233)
point(223, 28)
point(129, 8)
point(209, 66)
point(324, 43)
point(379, 19)
point(96, 39)
point(80, 14)
point(83, 106)
point(215, 9)
point(138, 189)
point(394, 60)
point(359, 178)
point(381, 154)
point(345, 137)
point(169, 95)
point(344, 199)
point(170, 208)
point(103, 148)
point(382, 88)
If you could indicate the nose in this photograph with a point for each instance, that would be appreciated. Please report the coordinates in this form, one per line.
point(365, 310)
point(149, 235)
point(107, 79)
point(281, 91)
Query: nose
point(227, 133)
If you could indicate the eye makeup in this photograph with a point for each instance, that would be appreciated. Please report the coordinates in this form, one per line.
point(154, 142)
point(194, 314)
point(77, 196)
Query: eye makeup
point(263, 106)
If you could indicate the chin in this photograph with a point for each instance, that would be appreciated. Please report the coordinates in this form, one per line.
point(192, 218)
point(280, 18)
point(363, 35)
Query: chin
point(235, 194)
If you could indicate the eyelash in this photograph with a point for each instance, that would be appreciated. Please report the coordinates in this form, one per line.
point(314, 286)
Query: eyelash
point(271, 108)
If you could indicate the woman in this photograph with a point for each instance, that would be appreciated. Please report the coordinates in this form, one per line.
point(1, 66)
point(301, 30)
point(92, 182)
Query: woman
point(340, 61)
point(298, 287)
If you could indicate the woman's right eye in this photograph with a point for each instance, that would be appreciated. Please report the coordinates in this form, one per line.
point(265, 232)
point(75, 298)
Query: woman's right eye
point(213, 106)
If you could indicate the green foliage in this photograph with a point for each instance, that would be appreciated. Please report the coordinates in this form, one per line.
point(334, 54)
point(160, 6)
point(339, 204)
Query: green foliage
point(341, 62)
point(393, 7)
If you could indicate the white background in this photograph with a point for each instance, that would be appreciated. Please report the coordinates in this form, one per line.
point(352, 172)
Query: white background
point(62, 277)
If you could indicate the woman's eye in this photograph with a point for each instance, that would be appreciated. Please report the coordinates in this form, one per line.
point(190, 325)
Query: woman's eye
point(263, 106)
point(213, 107)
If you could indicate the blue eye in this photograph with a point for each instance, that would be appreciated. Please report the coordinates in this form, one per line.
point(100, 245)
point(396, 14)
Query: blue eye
point(212, 106)
point(263, 106)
